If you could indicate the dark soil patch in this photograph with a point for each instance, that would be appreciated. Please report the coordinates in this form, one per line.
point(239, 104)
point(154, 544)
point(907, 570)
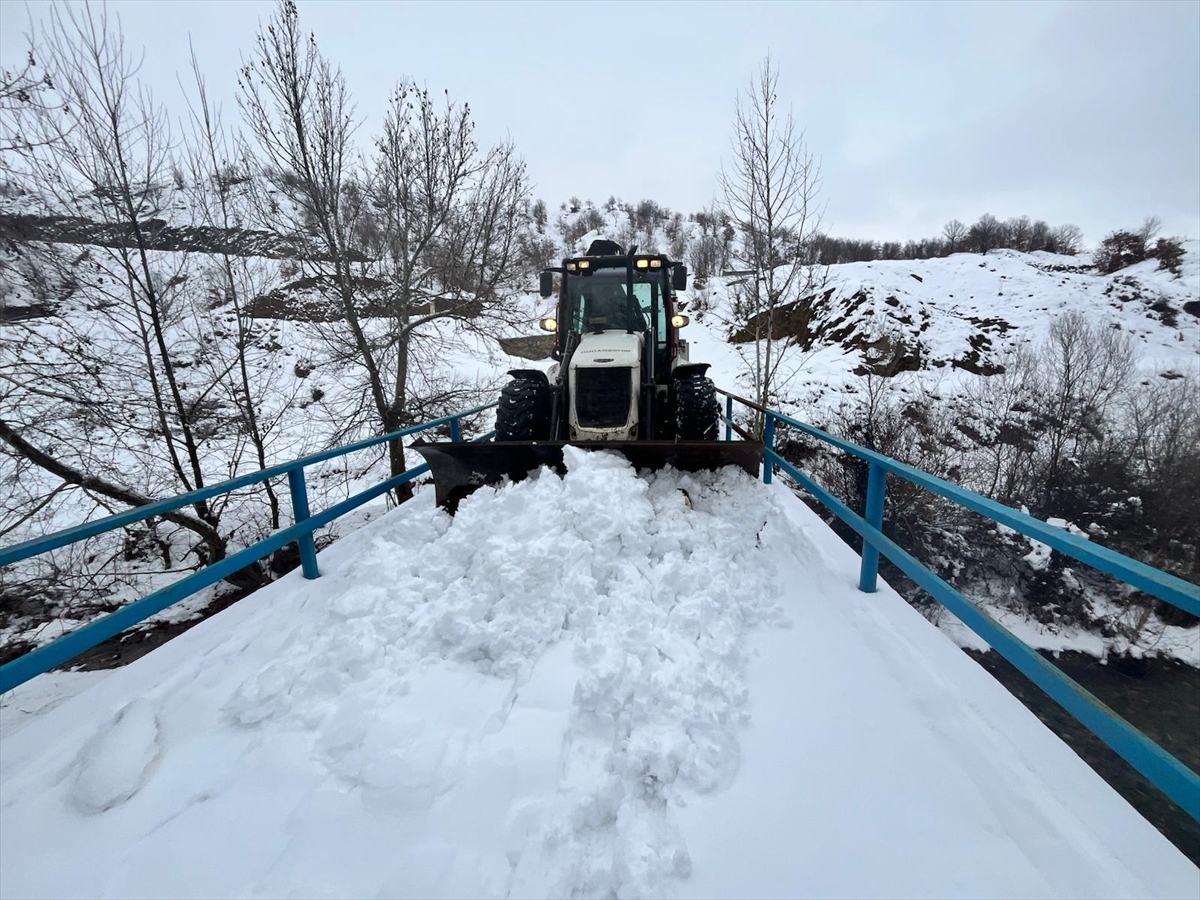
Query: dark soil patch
point(25, 312)
point(973, 361)
point(804, 319)
point(124, 648)
point(993, 323)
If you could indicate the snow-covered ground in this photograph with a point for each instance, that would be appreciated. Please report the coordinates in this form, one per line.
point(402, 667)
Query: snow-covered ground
point(602, 685)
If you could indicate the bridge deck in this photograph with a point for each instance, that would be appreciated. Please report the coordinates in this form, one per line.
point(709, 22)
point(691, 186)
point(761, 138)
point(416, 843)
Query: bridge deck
point(603, 685)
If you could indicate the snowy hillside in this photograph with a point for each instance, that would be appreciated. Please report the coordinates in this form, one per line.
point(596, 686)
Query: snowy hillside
point(634, 705)
point(959, 315)
point(956, 316)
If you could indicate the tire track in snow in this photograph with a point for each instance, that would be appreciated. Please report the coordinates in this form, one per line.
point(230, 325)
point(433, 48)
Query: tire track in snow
point(653, 599)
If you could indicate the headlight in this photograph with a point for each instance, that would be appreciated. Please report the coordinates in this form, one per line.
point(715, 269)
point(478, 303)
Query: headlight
point(678, 321)
point(549, 324)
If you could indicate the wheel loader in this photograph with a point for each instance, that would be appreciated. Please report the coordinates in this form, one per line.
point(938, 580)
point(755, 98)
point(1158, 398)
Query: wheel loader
point(622, 379)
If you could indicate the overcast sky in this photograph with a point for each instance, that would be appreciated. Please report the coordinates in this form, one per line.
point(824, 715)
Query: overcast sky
point(1071, 112)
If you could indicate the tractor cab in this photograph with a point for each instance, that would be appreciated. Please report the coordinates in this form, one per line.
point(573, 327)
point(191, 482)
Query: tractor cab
point(609, 290)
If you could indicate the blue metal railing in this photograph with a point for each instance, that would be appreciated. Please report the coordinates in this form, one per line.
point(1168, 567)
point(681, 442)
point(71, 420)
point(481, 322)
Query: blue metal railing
point(1166, 772)
point(58, 651)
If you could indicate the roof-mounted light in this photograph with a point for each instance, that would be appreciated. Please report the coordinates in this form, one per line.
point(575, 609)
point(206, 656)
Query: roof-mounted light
point(570, 267)
point(656, 263)
point(584, 264)
point(642, 263)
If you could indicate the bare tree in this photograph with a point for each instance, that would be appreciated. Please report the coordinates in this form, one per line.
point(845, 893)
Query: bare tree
point(301, 121)
point(1020, 233)
point(985, 235)
point(448, 219)
point(771, 188)
point(1151, 226)
point(1066, 239)
point(97, 152)
point(23, 89)
point(707, 254)
point(1162, 424)
point(427, 233)
point(217, 168)
point(1086, 368)
point(955, 232)
point(998, 411)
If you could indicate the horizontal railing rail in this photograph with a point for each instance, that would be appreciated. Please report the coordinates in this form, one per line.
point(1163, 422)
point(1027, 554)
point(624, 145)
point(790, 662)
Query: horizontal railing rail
point(35, 546)
point(62, 649)
point(1166, 772)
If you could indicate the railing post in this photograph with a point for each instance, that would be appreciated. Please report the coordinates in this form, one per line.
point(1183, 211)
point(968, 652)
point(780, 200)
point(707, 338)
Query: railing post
point(728, 418)
point(308, 550)
point(768, 449)
point(876, 488)
point(455, 431)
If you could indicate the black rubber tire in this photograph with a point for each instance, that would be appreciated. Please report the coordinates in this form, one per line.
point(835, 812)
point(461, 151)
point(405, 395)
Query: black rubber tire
point(697, 411)
point(524, 411)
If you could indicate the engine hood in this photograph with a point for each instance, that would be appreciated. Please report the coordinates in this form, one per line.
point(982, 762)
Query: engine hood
point(608, 349)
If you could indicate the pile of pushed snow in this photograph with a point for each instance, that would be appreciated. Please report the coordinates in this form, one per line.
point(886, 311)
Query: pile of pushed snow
point(633, 574)
point(576, 687)
point(562, 663)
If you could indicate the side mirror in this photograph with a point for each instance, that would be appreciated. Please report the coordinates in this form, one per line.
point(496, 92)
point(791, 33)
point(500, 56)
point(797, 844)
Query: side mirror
point(546, 284)
point(679, 278)
point(549, 324)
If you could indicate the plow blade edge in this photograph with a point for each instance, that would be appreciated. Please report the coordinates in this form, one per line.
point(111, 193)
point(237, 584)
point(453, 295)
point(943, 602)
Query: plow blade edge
point(460, 468)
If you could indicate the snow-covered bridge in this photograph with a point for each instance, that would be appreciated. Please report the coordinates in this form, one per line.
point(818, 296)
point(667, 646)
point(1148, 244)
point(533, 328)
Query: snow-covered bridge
point(602, 685)
point(606, 684)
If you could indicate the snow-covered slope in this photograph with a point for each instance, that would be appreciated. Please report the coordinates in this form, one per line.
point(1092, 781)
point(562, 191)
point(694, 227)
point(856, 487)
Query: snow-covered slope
point(596, 686)
point(958, 315)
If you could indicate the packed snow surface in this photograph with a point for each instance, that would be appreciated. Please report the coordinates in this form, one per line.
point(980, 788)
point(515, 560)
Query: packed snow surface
point(602, 685)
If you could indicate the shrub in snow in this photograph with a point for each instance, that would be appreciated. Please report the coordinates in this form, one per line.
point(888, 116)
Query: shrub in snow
point(1170, 254)
point(1119, 250)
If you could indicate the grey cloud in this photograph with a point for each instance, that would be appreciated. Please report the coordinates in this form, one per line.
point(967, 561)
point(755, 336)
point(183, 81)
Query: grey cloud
point(1081, 112)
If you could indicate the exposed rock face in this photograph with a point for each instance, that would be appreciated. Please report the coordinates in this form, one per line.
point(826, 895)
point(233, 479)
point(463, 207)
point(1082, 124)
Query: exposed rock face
point(158, 234)
point(535, 346)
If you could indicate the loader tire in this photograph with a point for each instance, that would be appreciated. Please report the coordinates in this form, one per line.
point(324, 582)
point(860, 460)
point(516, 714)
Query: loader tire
point(524, 411)
point(696, 409)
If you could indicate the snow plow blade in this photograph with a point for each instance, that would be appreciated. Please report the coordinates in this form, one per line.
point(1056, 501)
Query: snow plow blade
point(460, 468)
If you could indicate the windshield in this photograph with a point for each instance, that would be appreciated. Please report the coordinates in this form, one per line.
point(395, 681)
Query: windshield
point(601, 301)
